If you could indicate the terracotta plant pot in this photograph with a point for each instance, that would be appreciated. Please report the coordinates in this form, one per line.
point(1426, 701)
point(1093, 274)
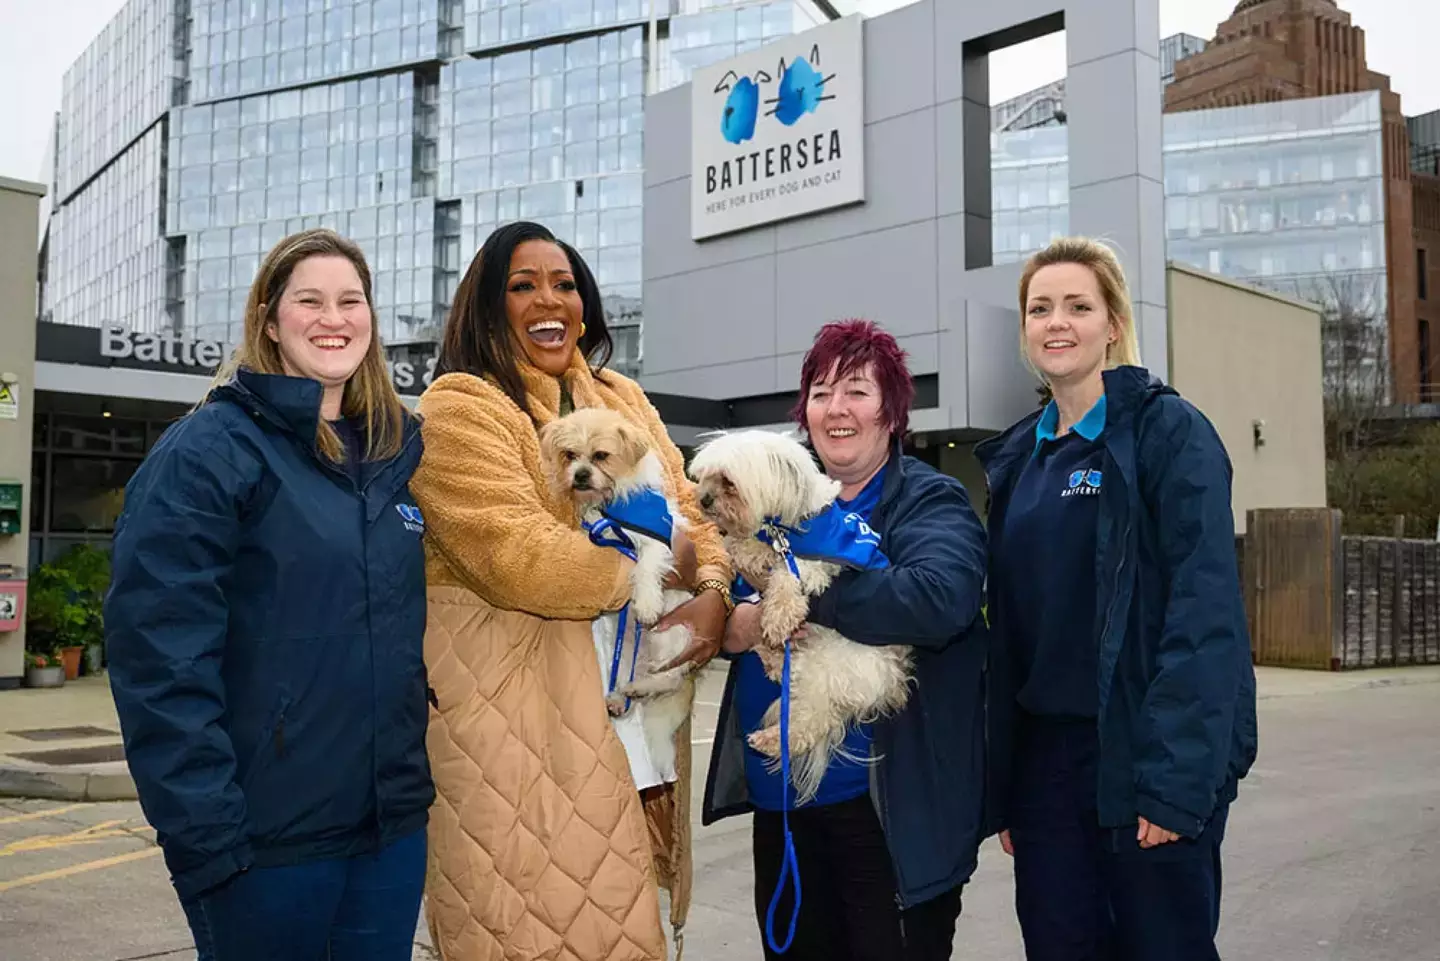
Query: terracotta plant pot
point(45, 676)
point(70, 656)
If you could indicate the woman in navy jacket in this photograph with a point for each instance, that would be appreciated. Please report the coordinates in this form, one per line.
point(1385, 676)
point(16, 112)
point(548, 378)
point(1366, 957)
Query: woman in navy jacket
point(1122, 692)
point(264, 626)
point(885, 848)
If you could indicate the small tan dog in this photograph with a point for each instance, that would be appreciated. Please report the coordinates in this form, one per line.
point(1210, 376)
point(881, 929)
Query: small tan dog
point(596, 457)
point(754, 482)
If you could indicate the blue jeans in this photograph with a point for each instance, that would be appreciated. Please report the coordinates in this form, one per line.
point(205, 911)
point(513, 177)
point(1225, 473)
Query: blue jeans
point(1087, 893)
point(349, 909)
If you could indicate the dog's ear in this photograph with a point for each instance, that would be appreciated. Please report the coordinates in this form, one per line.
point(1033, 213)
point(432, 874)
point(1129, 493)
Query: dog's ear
point(634, 441)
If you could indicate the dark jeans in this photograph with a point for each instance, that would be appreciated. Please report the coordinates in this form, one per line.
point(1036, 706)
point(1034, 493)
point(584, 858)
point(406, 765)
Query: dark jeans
point(1087, 893)
point(848, 908)
point(348, 909)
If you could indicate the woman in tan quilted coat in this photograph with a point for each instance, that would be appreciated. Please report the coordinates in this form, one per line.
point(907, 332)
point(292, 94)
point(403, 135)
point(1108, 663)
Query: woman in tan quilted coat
point(540, 844)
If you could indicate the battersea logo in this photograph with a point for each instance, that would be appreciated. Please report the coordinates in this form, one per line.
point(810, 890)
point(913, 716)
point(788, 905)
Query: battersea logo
point(800, 89)
point(410, 515)
point(1083, 483)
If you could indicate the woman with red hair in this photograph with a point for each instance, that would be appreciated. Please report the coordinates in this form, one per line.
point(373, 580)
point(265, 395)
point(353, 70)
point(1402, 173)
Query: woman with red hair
point(885, 847)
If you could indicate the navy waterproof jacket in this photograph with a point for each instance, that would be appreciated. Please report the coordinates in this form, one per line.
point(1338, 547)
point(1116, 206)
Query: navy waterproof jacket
point(1176, 684)
point(265, 625)
point(928, 780)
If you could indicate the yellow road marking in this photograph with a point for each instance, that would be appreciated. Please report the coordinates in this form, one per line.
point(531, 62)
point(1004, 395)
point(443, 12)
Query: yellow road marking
point(78, 869)
point(45, 842)
point(40, 815)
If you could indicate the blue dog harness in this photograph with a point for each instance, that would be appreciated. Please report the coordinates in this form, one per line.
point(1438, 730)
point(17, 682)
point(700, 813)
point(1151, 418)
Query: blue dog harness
point(646, 513)
point(839, 537)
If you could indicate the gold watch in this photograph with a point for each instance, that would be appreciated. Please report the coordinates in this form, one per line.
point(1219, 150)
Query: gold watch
point(715, 584)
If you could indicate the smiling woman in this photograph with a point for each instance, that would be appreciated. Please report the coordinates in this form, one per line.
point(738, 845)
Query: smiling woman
point(272, 699)
point(514, 586)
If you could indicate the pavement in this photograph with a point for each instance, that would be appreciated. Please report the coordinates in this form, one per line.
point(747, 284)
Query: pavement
point(1331, 852)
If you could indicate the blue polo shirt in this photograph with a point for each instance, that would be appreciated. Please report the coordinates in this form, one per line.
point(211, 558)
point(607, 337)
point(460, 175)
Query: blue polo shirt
point(755, 692)
point(1048, 560)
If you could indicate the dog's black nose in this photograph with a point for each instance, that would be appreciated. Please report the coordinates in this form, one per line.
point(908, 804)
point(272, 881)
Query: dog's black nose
point(707, 501)
point(582, 478)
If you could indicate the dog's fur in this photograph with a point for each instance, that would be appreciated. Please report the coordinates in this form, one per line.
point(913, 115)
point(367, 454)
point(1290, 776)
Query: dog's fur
point(595, 456)
point(745, 477)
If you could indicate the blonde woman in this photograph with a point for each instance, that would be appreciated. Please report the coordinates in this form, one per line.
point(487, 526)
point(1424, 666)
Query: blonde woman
point(265, 626)
point(544, 846)
point(1121, 678)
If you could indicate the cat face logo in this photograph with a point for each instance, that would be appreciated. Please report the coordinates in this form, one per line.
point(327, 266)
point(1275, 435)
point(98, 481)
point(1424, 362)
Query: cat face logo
point(800, 92)
point(802, 88)
point(742, 107)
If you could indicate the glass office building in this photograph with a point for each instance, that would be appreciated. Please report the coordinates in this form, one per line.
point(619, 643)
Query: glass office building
point(1285, 195)
point(194, 134)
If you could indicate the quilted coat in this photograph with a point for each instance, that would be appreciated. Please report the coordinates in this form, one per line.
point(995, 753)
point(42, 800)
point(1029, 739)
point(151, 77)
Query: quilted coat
point(540, 845)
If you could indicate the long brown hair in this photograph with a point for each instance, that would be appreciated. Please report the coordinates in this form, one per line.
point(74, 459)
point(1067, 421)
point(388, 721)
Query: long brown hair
point(1103, 263)
point(369, 394)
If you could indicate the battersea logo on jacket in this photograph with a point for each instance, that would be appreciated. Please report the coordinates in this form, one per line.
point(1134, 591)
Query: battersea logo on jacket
point(411, 517)
point(1083, 483)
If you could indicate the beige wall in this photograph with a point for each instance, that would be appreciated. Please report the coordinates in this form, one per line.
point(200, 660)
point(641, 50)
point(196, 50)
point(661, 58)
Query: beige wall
point(19, 213)
point(1241, 354)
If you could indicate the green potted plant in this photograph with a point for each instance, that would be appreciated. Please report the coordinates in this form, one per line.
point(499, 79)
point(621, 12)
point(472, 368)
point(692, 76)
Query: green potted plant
point(43, 670)
point(88, 568)
point(55, 617)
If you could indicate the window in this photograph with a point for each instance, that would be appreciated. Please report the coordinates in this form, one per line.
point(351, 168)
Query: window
point(1427, 390)
point(1422, 273)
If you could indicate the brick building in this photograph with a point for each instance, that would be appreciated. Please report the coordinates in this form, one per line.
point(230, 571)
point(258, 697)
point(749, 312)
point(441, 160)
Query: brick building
point(1425, 181)
point(1427, 272)
point(1274, 50)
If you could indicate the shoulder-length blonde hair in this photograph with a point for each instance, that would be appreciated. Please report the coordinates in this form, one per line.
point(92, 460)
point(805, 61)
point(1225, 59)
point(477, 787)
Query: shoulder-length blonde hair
point(369, 394)
point(1102, 262)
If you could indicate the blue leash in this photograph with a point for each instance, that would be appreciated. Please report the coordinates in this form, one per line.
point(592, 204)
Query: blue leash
point(790, 866)
point(606, 533)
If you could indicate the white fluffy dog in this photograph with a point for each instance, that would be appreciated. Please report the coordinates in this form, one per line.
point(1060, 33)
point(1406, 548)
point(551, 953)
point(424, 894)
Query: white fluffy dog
point(597, 457)
point(754, 482)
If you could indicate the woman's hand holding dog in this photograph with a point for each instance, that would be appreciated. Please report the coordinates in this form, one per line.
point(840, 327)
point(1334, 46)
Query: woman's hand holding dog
point(705, 615)
point(743, 632)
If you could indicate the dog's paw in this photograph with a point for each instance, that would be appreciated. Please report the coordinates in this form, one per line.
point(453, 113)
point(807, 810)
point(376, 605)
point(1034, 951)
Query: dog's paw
point(615, 704)
point(766, 741)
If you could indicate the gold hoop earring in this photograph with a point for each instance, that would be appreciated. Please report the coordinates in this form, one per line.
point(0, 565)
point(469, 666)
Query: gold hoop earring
point(582, 328)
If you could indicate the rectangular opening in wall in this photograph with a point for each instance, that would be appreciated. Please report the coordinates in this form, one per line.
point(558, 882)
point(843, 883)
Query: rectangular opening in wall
point(1029, 147)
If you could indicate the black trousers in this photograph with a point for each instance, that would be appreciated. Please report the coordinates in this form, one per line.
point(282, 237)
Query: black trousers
point(848, 906)
point(1087, 893)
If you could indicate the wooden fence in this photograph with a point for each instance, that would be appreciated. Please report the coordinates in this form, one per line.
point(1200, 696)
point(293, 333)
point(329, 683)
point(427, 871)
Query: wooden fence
point(1321, 600)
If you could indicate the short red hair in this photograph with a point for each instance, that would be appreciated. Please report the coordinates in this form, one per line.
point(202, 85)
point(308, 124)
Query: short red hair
point(848, 346)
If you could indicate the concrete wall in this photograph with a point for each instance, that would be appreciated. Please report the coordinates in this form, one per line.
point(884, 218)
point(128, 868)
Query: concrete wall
point(1241, 354)
point(732, 316)
point(19, 215)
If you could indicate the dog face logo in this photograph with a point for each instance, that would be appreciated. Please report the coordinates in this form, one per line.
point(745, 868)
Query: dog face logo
point(1083, 483)
point(742, 107)
point(411, 517)
point(802, 88)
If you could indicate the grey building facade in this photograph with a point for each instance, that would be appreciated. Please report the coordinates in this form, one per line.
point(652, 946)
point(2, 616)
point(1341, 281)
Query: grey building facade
point(730, 318)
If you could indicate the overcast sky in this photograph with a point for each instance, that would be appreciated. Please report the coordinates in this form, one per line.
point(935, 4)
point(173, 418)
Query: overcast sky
point(41, 38)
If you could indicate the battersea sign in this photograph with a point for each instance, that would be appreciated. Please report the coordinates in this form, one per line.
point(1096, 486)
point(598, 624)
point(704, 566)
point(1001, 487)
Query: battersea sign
point(116, 345)
point(779, 132)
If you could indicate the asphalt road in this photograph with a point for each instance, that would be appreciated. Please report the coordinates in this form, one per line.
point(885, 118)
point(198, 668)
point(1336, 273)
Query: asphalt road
point(1332, 854)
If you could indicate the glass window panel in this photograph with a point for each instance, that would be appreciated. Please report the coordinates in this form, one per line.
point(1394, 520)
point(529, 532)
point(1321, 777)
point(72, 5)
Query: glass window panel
point(582, 86)
point(312, 197)
point(548, 163)
point(582, 53)
point(580, 159)
point(88, 492)
point(283, 201)
point(632, 152)
point(511, 169)
point(581, 123)
point(607, 155)
point(547, 129)
point(511, 134)
point(194, 214)
point(194, 182)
